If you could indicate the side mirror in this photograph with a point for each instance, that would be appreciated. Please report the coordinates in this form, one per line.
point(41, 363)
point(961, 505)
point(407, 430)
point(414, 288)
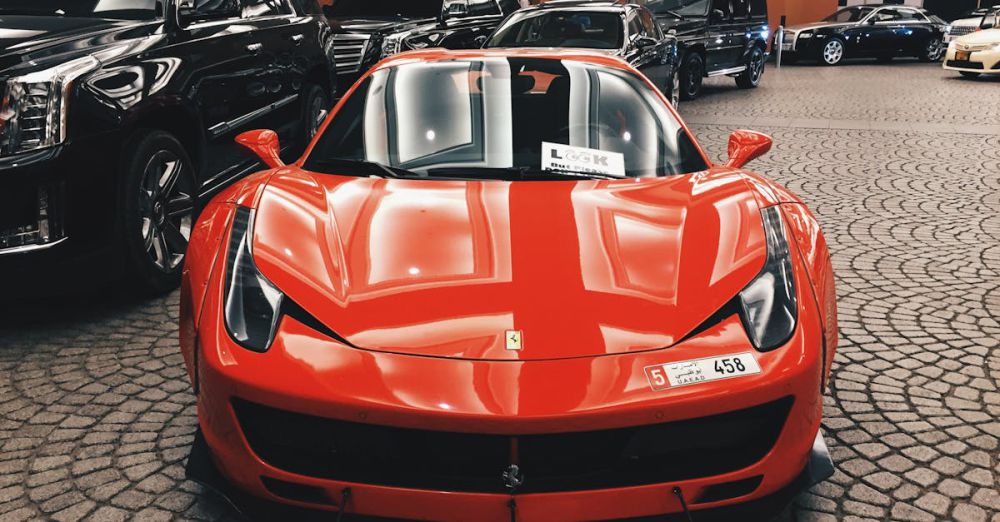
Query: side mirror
point(716, 16)
point(177, 14)
point(263, 143)
point(870, 21)
point(746, 146)
point(645, 42)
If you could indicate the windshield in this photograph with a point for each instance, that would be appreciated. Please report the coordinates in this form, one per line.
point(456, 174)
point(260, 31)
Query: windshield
point(462, 8)
point(679, 7)
point(852, 14)
point(596, 30)
point(116, 9)
point(382, 8)
point(502, 114)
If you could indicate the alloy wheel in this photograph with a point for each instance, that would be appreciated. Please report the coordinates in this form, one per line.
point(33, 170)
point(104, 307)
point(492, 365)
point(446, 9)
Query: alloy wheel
point(694, 78)
point(756, 66)
point(833, 52)
point(935, 50)
point(316, 115)
point(675, 91)
point(166, 209)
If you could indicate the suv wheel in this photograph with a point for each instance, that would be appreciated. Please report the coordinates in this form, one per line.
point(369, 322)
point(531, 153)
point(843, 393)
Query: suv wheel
point(833, 52)
point(933, 51)
point(692, 74)
point(314, 110)
point(674, 90)
point(157, 202)
point(750, 78)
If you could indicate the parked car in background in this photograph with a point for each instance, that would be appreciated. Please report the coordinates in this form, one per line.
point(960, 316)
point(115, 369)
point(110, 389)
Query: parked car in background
point(368, 30)
point(882, 32)
point(627, 31)
point(716, 38)
point(117, 121)
point(980, 19)
point(975, 54)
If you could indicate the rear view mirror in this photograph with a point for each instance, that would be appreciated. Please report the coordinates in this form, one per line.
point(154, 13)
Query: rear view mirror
point(265, 144)
point(746, 146)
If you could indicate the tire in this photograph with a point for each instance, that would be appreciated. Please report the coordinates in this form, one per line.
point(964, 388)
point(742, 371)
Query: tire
point(934, 51)
point(673, 91)
point(692, 75)
point(750, 78)
point(314, 109)
point(158, 206)
point(832, 53)
point(969, 74)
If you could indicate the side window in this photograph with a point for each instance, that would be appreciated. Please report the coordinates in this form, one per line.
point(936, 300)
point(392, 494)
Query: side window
point(214, 8)
point(255, 8)
point(725, 6)
point(741, 9)
point(649, 24)
point(908, 15)
point(509, 6)
point(888, 15)
point(635, 28)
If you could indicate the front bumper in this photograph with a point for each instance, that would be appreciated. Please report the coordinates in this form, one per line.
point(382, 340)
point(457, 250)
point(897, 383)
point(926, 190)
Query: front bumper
point(983, 62)
point(57, 215)
point(307, 374)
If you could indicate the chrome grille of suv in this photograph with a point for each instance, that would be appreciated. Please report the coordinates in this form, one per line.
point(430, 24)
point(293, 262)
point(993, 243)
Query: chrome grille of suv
point(349, 50)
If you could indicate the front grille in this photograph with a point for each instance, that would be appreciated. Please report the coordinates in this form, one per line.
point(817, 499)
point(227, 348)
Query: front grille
point(961, 30)
point(30, 215)
point(348, 51)
point(965, 65)
point(448, 461)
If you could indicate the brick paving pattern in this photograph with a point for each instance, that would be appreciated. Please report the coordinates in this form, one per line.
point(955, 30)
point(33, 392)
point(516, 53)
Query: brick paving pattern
point(96, 415)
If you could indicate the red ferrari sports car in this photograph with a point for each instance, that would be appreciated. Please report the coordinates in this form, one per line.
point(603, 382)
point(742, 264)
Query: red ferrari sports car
point(509, 285)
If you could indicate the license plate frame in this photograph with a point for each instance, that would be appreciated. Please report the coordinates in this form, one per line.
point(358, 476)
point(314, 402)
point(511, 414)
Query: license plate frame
point(696, 371)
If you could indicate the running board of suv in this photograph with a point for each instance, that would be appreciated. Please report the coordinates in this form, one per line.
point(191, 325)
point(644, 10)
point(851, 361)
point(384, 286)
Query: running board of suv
point(734, 70)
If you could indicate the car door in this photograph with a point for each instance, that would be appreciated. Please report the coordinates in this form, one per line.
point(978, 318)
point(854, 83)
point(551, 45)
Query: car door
point(276, 35)
point(650, 59)
point(215, 48)
point(722, 46)
point(885, 34)
point(915, 31)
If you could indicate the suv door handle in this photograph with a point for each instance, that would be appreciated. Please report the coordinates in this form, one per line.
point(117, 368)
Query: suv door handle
point(298, 39)
point(255, 47)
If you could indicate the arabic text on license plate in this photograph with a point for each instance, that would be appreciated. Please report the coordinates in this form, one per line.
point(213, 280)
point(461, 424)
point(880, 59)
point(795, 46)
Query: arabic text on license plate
point(962, 56)
point(683, 373)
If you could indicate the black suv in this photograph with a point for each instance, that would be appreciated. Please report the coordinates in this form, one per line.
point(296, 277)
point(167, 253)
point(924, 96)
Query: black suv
point(118, 118)
point(369, 30)
point(717, 37)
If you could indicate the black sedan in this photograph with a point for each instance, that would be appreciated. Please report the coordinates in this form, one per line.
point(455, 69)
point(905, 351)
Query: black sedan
point(628, 31)
point(882, 32)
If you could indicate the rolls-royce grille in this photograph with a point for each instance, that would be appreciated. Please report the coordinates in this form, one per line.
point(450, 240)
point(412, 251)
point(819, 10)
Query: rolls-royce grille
point(349, 51)
point(447, 461)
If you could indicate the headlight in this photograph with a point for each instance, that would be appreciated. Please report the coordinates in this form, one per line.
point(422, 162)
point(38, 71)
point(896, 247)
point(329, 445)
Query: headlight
point(33, 106)
point(252, 303)
point(422, 41)
point(805, 35)
point(768, 305)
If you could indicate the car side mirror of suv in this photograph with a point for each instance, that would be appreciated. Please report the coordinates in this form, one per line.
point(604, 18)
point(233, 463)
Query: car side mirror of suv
point(645, 42)
point(264, 143)
point(746, 146)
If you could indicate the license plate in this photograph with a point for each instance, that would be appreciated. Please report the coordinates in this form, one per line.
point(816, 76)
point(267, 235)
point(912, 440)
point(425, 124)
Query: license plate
point(695, 371)
point(962, 56)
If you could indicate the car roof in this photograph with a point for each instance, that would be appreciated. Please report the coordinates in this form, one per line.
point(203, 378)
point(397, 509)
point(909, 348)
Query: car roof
point(594, 57)
point(588, 5)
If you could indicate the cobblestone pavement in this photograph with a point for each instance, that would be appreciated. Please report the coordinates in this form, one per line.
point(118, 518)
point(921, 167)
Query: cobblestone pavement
point(96, 416)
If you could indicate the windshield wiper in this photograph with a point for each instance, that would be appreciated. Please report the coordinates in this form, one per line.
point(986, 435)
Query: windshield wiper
point(515, 174)
point(371, 168)
point(674, 14)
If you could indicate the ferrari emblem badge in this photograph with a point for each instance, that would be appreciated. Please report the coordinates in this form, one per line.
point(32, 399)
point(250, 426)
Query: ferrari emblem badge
point(513, 339)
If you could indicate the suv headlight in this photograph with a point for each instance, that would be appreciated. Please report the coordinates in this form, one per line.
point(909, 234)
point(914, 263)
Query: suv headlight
point(392, 44)
point(33, 106)
point(252, 303)
point(805, 34)
point(768, 305)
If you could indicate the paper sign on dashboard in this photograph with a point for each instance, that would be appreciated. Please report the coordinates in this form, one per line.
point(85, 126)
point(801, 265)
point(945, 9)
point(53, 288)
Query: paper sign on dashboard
point(556, 157)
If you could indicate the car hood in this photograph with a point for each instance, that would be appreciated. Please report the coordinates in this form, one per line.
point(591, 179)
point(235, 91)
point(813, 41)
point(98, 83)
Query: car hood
point(988, 36)
point(30, 40)
point(449, 268)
